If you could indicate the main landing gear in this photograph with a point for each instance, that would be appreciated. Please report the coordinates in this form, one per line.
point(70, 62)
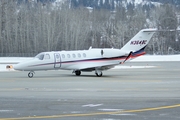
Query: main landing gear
point(97, 72)
point(77, 72)
point(31, 74)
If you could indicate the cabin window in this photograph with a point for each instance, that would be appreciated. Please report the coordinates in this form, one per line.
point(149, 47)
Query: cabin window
point(73, 55)
point(79, 55)
point(84, 55)
point(57, 56)
point(102, 52)
point(68, 55)
point(63, 56)
point(47, 56)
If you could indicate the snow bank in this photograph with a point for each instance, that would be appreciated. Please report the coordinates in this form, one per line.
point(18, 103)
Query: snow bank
point(13, 60)
point(154, 58)
point(149, 58)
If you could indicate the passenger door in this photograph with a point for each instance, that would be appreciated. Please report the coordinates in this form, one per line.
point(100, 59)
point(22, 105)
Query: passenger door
point(57, 58)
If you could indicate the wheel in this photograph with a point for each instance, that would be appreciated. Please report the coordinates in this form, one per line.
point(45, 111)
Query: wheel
point(30, 74)
point(78, 72)
point(99, 74)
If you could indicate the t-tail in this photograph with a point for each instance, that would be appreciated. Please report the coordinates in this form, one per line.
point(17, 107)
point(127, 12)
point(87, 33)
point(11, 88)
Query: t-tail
point(138, 43)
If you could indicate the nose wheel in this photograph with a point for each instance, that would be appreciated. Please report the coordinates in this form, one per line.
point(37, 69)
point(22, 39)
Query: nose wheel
point(31, 74)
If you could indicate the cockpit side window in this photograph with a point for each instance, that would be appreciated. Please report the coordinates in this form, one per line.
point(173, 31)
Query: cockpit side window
point(47, 56)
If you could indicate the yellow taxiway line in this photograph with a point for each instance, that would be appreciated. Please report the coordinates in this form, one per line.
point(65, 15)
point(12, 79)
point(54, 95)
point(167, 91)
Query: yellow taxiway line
point(93, 114)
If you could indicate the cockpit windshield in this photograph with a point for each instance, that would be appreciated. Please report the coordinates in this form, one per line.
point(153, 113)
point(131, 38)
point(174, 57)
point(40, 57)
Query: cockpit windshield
point(40, 56)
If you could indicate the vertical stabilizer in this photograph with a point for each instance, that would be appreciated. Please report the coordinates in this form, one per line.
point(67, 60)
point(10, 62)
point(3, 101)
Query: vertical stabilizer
point(139, 41)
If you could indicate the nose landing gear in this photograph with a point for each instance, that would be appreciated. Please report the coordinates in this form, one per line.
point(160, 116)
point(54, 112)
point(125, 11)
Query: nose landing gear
point(31, 74)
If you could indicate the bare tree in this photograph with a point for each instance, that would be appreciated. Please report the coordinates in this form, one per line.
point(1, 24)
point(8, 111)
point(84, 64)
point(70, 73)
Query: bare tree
point(165, 19)
point(34, 27)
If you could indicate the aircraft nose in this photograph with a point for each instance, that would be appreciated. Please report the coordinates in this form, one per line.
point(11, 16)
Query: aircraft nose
point(17, 67)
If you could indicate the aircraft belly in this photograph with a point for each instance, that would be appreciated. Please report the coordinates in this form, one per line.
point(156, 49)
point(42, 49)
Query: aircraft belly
point(89, 64)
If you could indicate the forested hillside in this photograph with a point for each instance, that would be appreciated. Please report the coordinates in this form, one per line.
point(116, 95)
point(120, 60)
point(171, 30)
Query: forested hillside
point(30, 27)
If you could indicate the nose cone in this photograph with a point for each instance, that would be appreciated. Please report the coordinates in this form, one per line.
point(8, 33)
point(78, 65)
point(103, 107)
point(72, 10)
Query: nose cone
point(18, 67)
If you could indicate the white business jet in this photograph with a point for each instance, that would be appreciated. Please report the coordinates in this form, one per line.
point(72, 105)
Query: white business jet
point(94, 59)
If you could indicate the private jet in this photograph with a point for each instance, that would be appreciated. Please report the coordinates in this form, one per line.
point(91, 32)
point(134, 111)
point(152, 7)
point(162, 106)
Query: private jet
point(93, 59)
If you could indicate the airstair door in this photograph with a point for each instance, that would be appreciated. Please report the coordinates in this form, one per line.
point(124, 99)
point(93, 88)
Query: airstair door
point(57, 58)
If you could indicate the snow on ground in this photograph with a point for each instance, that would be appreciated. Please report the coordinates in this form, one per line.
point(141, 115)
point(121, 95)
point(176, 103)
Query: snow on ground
point(13, 60)
point(155, 58)
point(4, 61)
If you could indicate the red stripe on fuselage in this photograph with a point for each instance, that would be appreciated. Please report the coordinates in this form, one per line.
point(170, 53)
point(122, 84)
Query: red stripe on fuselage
point(77, 61)
point(91, 60)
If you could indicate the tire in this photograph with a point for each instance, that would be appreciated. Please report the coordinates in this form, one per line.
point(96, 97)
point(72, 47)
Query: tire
point(30, 74)
point(99, 75)
point(78, 73)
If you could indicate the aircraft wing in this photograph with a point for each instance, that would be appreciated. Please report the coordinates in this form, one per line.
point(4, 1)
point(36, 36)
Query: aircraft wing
point(92, 67)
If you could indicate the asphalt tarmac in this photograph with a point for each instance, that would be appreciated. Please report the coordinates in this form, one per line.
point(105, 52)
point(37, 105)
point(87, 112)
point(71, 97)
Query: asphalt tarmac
point(120, 94)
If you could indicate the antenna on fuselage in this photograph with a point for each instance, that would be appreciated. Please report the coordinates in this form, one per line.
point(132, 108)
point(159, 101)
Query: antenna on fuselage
point(90, 47)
